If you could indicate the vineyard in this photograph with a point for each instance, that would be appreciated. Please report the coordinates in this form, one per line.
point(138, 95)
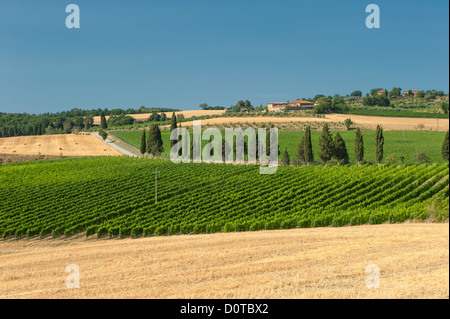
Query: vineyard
point(115, 197)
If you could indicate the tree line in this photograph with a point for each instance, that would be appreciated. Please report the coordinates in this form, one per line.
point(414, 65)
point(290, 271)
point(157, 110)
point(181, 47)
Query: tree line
point(24, 124)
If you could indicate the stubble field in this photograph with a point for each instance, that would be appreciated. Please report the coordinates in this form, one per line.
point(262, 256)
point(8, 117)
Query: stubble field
point(413, 262)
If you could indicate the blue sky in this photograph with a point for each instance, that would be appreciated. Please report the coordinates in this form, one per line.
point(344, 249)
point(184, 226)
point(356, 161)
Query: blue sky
point(180, 53)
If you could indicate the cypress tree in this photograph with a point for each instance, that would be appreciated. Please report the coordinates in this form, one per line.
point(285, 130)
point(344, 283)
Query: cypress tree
point(143, 147)
point(268, 143)
point(286, 159)
point(340, 150)
point(301, 151)
point(309, 156)
point(154, 143)
point(103, 123)
point(173, 126)
point(359, 146)
point(211, 152)
point(445, 147)
point(379, 144)
point(180, 151)
point(325, 145)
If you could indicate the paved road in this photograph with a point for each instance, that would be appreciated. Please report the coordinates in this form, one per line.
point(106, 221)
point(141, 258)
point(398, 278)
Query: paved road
point(111, 143)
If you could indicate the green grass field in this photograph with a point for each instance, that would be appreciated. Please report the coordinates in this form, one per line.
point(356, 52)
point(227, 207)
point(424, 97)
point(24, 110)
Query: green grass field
point(398, 143)
point(114, 196)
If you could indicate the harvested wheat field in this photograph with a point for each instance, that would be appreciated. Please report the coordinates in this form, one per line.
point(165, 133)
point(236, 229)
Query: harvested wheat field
point(413, 261)
point(362, 121)
point(393, 123)
point(56, 145)
point(187, 114)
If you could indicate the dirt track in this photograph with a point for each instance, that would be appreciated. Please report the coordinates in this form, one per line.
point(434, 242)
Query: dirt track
point(57, 145)
point(413, 262)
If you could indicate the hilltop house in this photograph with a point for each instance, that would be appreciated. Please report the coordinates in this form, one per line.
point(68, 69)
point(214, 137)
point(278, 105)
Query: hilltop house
point(295, 105)
point(411, 92)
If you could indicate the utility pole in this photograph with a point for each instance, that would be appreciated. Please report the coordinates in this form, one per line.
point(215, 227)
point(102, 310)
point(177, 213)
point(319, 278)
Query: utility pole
point(156, 172)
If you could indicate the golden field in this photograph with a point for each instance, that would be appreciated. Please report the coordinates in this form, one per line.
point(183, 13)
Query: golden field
point(56, 145)
point(362, 121)
point(413, 259)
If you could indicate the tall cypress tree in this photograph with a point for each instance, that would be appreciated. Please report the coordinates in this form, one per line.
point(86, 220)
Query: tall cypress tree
point(359, 147)
point(143, 147)
point(173, 126)
point(325, 145)
point(211, 152)
point(286, 159)
point(340, 150)
point(379, 144)
point(268, 143)
point(301, 151)
point(154, 143)
point(309, 156)
point(445, 147)
point(180, 151)
point(103, 123)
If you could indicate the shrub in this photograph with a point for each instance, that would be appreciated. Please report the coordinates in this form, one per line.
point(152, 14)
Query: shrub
point(103, 134)
point(348, 124)
point(421, 158)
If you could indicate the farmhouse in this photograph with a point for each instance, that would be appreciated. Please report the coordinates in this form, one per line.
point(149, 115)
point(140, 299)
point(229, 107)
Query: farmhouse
point(411, 92)
point(295, 105)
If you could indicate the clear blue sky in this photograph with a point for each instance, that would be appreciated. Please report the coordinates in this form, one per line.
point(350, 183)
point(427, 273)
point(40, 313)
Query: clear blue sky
point(180, 53)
